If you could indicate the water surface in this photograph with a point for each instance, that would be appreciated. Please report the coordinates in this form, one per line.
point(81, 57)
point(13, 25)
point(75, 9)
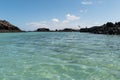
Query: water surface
point(59, 56)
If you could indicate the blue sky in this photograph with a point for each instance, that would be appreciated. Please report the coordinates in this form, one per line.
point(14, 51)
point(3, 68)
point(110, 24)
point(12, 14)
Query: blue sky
point(58, 14)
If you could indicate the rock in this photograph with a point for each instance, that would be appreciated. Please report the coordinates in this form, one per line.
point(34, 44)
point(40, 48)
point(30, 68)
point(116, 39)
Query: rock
point(108, 28)
point(5, 26)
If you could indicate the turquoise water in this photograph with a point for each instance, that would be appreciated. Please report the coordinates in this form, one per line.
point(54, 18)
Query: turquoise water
point(59, 56)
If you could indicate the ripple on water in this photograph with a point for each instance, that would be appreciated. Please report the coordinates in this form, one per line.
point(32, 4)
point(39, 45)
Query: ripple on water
point(59, 56)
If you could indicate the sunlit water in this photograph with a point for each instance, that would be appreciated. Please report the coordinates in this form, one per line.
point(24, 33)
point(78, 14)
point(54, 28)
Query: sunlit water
point(59, 56)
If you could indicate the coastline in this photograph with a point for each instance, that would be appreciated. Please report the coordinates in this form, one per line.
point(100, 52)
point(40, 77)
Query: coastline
point(109, 28)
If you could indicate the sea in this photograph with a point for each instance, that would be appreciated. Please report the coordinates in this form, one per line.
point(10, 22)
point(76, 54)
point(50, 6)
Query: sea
point(59, 56)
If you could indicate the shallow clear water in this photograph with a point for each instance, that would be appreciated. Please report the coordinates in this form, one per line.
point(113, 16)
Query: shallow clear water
point(59, 56)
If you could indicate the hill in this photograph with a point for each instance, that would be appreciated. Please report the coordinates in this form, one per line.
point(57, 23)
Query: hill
point(108, 28)
point(5, 26)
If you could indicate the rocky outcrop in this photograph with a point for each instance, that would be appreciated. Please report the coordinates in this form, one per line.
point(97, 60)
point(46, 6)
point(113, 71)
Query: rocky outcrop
point(43, 30)
point(108, 28)
point(5, 26)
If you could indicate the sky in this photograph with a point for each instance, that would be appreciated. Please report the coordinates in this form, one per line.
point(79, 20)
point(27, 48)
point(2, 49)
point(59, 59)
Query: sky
point(59, 14)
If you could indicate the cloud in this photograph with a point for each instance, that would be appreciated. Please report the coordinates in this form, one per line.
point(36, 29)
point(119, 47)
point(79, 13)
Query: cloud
point(90, 2)
point(87, 2)
point(55, 20)
point(71, 17)
point(68, 22)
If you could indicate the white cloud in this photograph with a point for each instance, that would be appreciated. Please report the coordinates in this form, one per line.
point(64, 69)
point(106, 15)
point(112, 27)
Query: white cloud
point(86, 2)
point(68, 22)
point(72, 17)
point(55, 20)
point(90, 2)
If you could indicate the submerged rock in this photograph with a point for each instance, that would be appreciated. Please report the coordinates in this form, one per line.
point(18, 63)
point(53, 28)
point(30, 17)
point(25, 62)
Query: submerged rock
point(5, 26)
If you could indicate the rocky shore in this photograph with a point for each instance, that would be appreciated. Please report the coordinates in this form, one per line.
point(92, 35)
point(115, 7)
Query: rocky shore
point(5, 26)
point(108, 28)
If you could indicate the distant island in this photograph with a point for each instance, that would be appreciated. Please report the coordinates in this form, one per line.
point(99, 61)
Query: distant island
point(5, 26)
point(108, 28)
point(42, 30)
point(63, 30)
